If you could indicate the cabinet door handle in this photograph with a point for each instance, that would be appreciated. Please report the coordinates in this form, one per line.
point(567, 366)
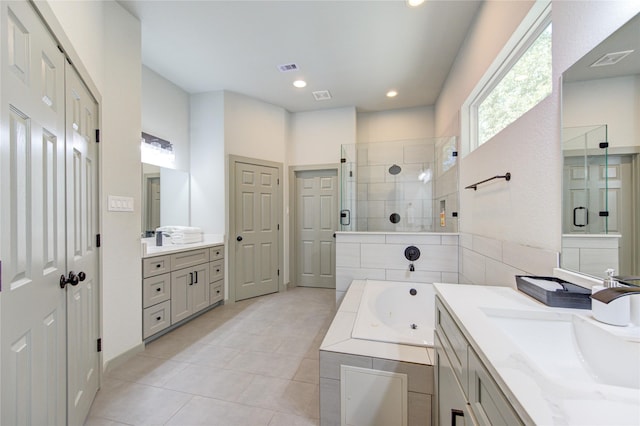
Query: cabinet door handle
point(454, 416)
point(196, 277)
point(191, 279)
point(158, 318)
point(158, 289)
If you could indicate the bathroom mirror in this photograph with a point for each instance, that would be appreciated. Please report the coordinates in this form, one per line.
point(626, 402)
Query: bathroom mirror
point(165, 197)
point(601, 154)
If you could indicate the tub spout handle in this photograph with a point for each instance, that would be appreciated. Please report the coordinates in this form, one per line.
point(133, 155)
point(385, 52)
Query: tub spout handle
point(411, 267)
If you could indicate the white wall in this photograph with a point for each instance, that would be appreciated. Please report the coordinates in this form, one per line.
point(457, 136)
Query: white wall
point(316, 136)
point(400, 124)
point(121, 172)
point(107, 40)
point(208, 208)
point(527, 210)
point(610, 101)
point(165, 114)
point(83, 23)
point(253, 128)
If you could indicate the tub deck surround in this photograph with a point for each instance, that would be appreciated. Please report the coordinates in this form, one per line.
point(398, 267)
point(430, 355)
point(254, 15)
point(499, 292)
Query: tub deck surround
point(339, 349)
point(149, 248)
point(339, 339)
point(538, 398)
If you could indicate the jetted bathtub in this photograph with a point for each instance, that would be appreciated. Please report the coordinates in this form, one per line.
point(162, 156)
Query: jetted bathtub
point(396, 312)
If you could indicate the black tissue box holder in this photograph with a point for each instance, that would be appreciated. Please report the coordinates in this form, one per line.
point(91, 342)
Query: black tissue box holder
point(569, 296)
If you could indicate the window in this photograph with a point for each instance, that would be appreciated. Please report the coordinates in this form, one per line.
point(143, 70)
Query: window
point(516, 84)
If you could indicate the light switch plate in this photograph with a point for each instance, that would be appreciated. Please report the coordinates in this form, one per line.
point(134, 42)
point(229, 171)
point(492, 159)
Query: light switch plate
point(120, 204)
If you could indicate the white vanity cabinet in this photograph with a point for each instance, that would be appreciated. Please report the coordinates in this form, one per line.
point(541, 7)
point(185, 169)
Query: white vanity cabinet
point(178, 286)
point(466, 392)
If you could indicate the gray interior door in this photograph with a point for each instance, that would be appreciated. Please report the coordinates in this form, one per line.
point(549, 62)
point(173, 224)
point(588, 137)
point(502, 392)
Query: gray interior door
point(316, 222)
point(256, 230)
point(32, 227)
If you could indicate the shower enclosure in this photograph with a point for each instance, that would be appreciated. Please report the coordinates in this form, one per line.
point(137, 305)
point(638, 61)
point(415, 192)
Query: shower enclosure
point(400, 186)
point(586, 180)
point(598, 189)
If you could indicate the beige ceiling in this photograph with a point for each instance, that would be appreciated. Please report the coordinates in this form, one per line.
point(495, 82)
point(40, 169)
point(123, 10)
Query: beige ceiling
point(357, 50)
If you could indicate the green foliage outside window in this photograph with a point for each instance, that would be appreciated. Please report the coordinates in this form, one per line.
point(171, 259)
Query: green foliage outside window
point(525, 85)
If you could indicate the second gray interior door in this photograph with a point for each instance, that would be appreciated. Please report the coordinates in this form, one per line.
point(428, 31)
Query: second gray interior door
point(316, 222)
point(256, 207)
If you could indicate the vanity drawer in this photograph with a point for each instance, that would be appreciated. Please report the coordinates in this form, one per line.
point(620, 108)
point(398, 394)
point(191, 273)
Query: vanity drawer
point(216, 253)
point(156, 289)
point(454, 344)
point(488, 403)
point(216, 292)
point(155, 266)
point(189, 258)
point(216, 270)
point(156, 318)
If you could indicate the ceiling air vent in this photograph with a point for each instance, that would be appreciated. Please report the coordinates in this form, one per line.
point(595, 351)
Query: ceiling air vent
point(611, 58)
point(288, 67)
point(322, 95)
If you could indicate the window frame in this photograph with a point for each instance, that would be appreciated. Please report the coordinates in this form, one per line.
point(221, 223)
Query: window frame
point(531, 27)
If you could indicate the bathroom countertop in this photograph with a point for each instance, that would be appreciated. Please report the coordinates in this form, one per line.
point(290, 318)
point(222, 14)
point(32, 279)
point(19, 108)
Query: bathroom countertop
point(338, 337)
point(149, 248)
point(537, 397)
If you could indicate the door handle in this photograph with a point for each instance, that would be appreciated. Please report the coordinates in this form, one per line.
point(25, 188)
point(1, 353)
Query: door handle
point(191, 279)
point(73, 279)
point(239, 238)
point(586, 216)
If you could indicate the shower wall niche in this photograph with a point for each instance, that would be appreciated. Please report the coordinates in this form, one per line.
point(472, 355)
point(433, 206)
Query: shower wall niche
point(400, 186)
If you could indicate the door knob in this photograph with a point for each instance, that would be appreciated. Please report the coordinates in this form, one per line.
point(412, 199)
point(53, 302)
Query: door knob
point(72, 279)
point(239, 238)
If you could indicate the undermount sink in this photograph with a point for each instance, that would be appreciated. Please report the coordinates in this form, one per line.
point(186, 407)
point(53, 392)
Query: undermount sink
point(570, 347)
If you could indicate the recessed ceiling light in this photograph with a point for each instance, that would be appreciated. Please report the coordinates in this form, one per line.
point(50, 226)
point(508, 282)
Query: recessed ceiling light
point(392, 94)
point(300, 84)
point(414, 3)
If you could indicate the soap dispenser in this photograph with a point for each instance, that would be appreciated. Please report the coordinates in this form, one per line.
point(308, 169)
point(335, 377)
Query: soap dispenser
point(616, 312)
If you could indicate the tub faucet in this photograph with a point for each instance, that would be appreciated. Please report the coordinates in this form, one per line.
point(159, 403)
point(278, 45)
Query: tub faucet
point(610, 294)
point(411, 267)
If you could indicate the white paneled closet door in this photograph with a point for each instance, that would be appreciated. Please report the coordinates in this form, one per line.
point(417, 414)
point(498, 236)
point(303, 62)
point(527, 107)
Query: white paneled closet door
point(48, 225)
point(82, 257)
point(32, 214)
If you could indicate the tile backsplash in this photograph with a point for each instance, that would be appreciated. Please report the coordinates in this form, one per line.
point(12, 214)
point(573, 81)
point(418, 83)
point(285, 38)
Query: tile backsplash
point(445, 257)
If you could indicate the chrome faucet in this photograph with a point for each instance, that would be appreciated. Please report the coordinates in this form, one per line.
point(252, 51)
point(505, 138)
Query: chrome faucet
point(609, 294)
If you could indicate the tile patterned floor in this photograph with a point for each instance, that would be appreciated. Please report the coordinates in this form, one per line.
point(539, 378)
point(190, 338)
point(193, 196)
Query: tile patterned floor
point(251, 363)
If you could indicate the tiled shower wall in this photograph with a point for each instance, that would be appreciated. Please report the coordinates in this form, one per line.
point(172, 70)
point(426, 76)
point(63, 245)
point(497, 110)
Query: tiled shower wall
point(486, 261)
point(445, 258)
point(380, 256)
point(381, 194)
point(412, 180)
